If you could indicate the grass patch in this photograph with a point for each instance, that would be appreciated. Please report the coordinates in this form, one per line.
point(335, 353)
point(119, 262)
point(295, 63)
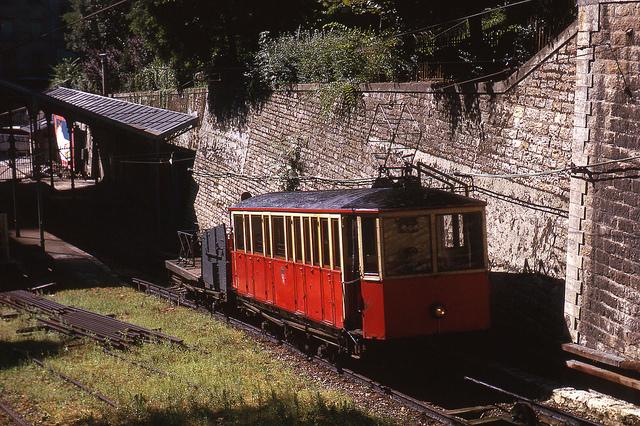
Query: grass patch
point(224, 378)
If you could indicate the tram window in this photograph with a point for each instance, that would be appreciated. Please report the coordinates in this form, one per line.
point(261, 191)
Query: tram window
point(277, 228)
point(350, 236)
point(247, 231)
point(460, 241)
point(407, 245)
point(306, 225)
point(314, 240)
point(257, 237)
point(238, 229)
point(369, 246)
point(288, 238)
point(335, 229)
point(266, 232)
point(325, 243)
point(297, 241)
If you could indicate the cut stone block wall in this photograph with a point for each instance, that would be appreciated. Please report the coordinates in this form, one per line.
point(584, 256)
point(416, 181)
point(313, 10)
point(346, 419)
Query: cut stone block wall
point(511, 127)
point(603, 272)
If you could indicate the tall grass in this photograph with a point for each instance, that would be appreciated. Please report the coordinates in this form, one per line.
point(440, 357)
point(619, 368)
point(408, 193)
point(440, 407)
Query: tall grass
point(223, 377)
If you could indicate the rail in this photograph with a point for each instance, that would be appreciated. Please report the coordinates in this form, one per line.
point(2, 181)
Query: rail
point(553, 413)
point(13, 415)
point(73, 321)
point(543, 414)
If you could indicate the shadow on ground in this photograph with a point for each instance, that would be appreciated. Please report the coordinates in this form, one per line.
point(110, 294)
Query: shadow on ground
point(276, 410)
point(15, 353)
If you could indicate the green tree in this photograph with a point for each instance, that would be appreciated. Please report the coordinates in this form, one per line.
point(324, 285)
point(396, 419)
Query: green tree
point(69, 74)
point(213, 37)
point(107, 32)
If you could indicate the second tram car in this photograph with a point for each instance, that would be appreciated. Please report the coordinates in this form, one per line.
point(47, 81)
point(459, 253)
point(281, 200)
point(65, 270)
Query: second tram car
point(353, 266)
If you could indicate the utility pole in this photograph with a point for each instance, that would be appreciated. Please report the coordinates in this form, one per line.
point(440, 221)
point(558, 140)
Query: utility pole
point(37, 173)
point(104, 86)
point(14, 176)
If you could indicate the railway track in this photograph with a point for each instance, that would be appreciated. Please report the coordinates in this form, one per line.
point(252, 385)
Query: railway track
point(84, 388)
point(73, 321)
point(520, 411)
point(16, 418)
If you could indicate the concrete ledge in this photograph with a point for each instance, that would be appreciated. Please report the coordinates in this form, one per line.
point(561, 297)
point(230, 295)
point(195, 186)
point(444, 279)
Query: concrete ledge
point(589, 2)
point(390, 87)
point(608, 410)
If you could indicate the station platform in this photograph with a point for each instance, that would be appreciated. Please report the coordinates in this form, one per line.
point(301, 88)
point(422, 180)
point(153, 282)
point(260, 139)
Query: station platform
point(60, 262)
point(181, 272)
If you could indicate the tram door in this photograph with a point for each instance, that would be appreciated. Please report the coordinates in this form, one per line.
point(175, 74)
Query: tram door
point(215, 258)
point(352, 294)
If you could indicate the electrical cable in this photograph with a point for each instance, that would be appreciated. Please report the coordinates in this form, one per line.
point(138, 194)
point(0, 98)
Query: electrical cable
point(604, 163)
point(514, 175)
point(435, 36)
point(473, 80)
point(462, 18)
point(169, 161)
point(82, 18)
point(355, 181)
point(573, 169)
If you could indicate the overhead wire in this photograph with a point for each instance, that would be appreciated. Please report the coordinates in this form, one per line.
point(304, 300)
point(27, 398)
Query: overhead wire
point(64, 25)
point(259, 178)
point(457, 22)
point(574, 169)
point(462, 18)
point(168, 161)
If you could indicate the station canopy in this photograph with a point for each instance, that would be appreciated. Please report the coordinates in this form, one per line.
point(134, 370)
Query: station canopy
point(146, 121)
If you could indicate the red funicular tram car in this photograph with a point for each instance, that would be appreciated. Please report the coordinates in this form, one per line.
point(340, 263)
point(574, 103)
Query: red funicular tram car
point(352, 266)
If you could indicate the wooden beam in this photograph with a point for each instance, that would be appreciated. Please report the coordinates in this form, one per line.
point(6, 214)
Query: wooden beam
point(603, 374)
point(603, 357)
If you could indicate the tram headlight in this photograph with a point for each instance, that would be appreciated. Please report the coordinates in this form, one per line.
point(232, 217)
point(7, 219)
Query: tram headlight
point(438, 311)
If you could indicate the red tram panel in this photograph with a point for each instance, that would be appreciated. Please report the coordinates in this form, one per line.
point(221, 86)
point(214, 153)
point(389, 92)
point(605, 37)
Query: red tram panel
point(396, 308)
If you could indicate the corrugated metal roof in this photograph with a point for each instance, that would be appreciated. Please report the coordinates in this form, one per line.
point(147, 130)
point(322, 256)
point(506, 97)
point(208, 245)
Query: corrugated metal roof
point(358, 199)
point(156, 123)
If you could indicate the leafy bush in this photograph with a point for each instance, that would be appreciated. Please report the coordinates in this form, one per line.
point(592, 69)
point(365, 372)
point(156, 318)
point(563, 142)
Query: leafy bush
point(69, 73)
point(155, 76)
point(338, 56)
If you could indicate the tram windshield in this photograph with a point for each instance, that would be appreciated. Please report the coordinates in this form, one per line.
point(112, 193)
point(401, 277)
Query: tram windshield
point(407, 245)
point(410, 241)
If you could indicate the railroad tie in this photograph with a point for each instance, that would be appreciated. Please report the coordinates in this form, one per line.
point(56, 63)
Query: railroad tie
point(79, 322)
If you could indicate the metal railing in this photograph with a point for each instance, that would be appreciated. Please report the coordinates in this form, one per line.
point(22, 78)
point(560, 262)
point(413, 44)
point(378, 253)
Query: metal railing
point(27, 166)
point(189, 247)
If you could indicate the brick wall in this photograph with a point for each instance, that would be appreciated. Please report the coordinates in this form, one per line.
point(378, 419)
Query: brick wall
point(603, 284)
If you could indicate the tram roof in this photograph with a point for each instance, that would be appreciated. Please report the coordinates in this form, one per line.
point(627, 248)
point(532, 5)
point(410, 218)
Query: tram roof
point(349, 200)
